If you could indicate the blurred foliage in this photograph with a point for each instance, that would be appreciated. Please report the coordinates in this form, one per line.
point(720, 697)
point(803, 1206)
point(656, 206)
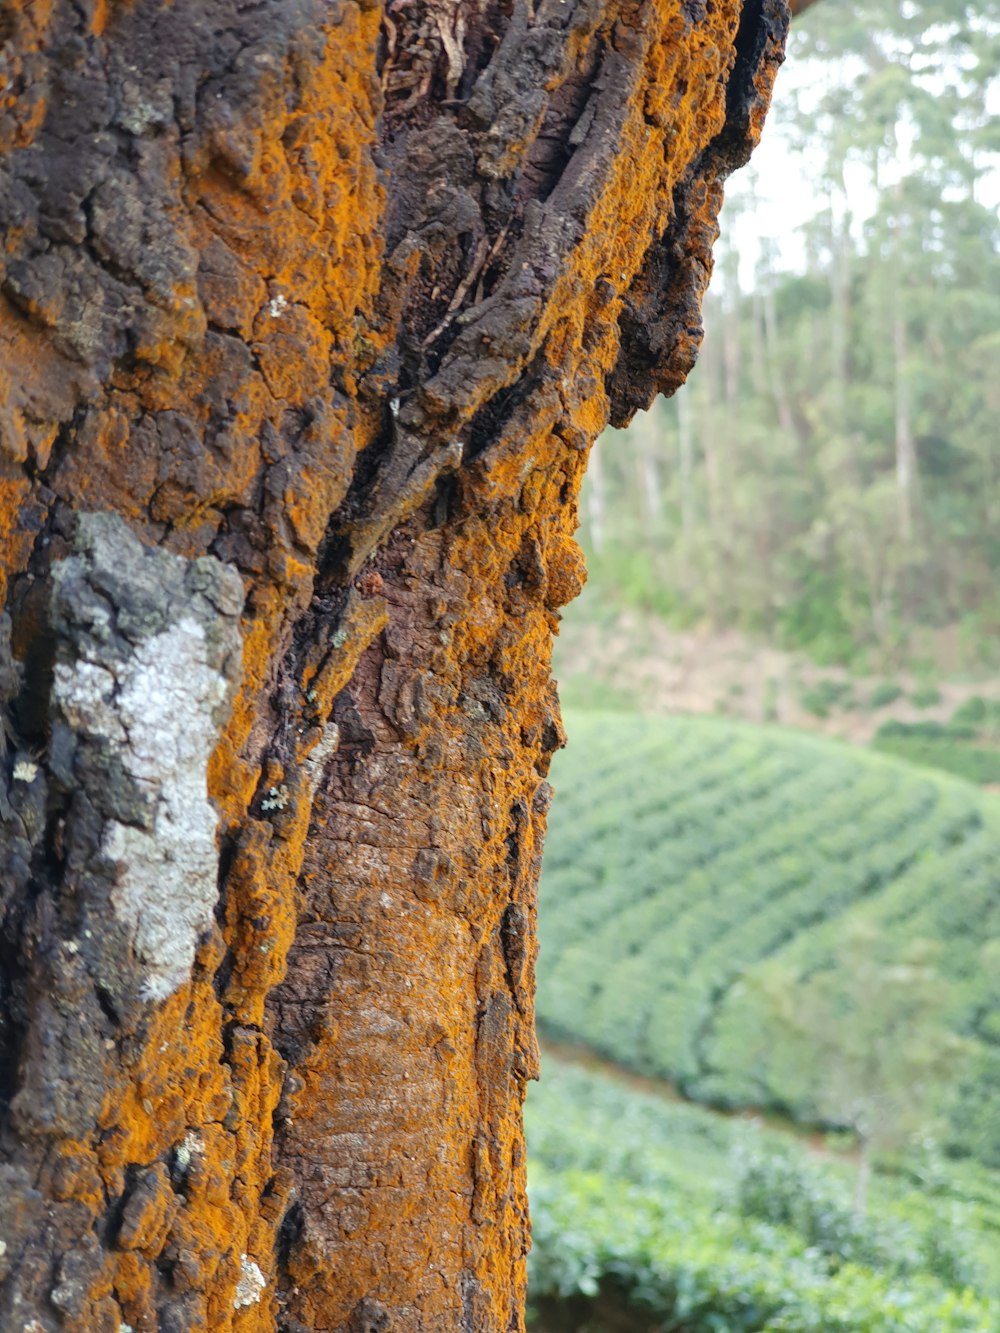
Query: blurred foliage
point(760, 917)
point(774, 921)
point(966, 745)
point(925, 696)
point(708, 1224)
point(830, 478)
point(824, 695)
point(872, 1026)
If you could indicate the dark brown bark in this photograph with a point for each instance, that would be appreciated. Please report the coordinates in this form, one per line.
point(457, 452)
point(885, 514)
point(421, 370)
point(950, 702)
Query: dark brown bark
point(311, 308)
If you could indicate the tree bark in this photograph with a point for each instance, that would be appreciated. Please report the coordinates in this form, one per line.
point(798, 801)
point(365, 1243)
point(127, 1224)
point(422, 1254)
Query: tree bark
point(311, 311)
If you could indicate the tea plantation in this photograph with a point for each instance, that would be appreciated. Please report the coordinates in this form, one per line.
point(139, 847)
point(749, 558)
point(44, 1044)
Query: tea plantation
point(652, 1215)
point(706, 884)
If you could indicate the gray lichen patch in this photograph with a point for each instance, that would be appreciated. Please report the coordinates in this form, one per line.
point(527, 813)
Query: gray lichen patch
point(147, 659)
point(326, 745)
point(158, 710)
point(250, 1285)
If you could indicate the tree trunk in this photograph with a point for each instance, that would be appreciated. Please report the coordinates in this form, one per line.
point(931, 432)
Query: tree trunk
point(906, 457)
point(758, 365)
point(729, 314)
point(310, 313)
point(863, 1176)
point(779, 386)
point(840, 303)
point(648, 476)
point(685, 461)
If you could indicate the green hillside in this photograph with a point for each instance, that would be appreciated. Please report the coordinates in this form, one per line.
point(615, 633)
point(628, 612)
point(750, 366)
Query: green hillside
point(648, 1214)
point(709, 885)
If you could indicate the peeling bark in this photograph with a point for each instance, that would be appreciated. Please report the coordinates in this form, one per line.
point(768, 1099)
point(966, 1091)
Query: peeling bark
point(310, 309)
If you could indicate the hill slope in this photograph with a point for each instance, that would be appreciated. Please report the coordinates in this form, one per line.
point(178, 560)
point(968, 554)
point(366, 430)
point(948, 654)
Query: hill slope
point(691, 861)
point(651, 1215)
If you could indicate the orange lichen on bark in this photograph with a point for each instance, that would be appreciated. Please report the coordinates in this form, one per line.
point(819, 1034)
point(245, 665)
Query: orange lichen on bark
point(358, 351)
point(421, 1144)
point(289, 240)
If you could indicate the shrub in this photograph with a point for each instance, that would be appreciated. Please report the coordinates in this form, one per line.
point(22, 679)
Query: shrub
point(825, 695)
point(925, 696)
point(973, 712)
point(709, 1273)
point(789, 1194)
point(935, 746)
point(884, 694)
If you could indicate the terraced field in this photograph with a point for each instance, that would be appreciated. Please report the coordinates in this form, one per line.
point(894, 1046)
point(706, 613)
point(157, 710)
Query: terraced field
point(652, 1215)
point(692, 860)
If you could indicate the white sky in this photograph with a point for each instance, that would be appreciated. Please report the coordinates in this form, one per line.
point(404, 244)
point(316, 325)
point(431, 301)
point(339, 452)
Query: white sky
point(785, 193)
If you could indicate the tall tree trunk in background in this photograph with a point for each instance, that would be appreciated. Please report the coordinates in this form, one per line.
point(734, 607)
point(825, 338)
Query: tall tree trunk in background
point(863, 1176)
point(685, 461)
point(705, 419)
point(758, 364)
point(596, 507)
point(731, 350)
point(905, 449)
point(310, 313)
point(647, 473)
point(779, 390)
point(840, 303)
point(906, 457)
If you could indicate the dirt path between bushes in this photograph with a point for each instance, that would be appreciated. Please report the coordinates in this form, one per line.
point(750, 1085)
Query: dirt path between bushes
point(641, 661)
point(571, 1053)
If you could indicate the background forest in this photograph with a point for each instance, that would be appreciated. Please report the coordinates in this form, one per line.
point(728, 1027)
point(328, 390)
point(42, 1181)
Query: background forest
point(768, 973)
point(828, 480)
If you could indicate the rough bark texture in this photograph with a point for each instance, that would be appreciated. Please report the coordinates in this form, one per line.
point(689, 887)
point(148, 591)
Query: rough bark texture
point(310, 311)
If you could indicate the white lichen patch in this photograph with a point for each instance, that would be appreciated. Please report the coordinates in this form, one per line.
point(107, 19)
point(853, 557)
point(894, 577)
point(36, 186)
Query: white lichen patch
point(320, 753)
point(189, 1146)
point(85, 692)
point(250, 1285)
point(276, 799)
point(25, 771)
point(157, 707)
point(193, 1143)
